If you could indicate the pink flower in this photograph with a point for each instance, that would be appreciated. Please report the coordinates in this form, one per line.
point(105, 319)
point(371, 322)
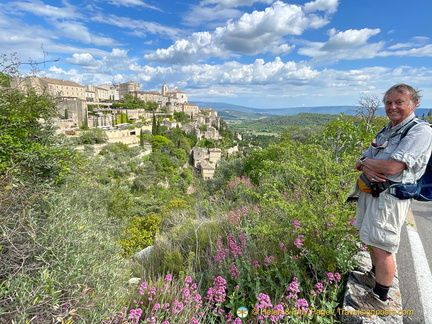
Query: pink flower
point(294, 286)
point(319, 287)
point(168, 278)
point(135, 315)
point(234, 272)
point(298, 242)
point(302, 304)
point(296, 223)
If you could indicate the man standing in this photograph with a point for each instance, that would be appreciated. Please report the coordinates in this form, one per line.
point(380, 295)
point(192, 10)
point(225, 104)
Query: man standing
point(380, 216)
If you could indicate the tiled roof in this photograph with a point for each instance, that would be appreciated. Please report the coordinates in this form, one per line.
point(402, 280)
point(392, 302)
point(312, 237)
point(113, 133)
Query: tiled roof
point(62, 82)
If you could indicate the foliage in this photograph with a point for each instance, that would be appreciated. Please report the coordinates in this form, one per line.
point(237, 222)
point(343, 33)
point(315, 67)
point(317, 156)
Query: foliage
point(139, 233)
point(344, 137)
point(278, 254)
point(28, 144)
point(268, 232)
point(280, 123)
point(58, 258)
point(181, 117)
point(92, 136)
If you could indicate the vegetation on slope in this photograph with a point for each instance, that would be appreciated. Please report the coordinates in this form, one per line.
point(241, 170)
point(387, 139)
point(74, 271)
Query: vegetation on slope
point(271, 231)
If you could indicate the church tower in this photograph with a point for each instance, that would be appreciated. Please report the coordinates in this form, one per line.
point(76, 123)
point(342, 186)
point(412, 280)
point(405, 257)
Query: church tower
point(164, 89)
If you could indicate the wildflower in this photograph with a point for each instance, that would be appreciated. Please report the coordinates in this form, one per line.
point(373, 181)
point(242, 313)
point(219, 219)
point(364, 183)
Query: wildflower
point(351, 221)
point(217, 293)
point(188, 280)
point(234, 272)
point(168, 278)
point(135, 315)
point(156, 307)
point(332, 277)
point(294, 286)
point(194, 321)
point(263, 301)
point(302, 304)
point(319, 287)
point(298, 242)
point(296, 223)
point(279, 310)
point(143, 287)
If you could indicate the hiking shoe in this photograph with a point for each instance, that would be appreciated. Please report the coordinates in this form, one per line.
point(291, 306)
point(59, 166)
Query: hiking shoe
point(370, 301)
point(366, 279)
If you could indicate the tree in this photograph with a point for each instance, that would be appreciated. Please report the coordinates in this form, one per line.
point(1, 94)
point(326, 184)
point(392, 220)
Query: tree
point(368, 106)
point(141, 138)
point(93, 136)
point(151, 106)
point(27, 137)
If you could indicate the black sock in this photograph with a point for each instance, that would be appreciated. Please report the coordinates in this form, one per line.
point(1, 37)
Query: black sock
point(381, 291)
point(373, 269)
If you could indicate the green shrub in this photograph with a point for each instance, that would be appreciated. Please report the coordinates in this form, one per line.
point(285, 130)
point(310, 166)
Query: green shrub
point(139, 233)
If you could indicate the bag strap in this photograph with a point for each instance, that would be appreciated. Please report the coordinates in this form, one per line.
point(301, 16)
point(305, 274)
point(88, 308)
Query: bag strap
point(411, 124)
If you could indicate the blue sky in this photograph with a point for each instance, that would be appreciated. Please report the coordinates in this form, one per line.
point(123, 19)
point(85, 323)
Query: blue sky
point(263, 54)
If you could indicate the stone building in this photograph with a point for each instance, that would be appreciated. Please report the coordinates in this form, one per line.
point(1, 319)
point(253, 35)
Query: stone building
point(205, 160)
point(128, 88)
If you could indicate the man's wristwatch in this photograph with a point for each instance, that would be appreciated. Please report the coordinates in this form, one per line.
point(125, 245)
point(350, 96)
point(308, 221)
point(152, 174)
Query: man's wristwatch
point(362, 159)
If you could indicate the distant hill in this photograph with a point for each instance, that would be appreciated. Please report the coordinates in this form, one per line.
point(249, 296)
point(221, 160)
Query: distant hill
point(333, 110)
point(237, 113)
point(276, 125)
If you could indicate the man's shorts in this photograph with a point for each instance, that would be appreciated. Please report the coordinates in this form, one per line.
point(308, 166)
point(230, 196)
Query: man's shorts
point(379, 220)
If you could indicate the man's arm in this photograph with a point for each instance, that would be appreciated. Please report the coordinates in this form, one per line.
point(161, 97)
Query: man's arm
point(380, 167)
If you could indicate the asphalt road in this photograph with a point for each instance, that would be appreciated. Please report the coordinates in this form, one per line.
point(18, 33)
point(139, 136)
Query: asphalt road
point(414, 261)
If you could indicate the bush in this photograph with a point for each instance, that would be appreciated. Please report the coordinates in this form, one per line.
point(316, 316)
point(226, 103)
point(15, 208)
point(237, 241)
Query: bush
point(59, 256)
point(92, 136)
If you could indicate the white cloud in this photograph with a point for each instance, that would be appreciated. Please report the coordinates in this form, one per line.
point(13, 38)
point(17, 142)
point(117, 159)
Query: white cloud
point(132, 3)
point(232, 3)
point(41, 9)
point(350, 38)
point(209, 16)
point(256, 32)
point(282, 49)
point(139, 27)
point(329, 6)
point(351, 44)
point(424, 51)
point(85, 60)
point(77, 31)
point(417, 41)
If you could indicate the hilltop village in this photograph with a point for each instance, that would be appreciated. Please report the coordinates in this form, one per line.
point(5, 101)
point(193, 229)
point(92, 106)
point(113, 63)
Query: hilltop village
point(99, 107)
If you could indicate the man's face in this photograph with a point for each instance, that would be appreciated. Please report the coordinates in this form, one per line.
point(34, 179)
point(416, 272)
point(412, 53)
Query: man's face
point(398, 106)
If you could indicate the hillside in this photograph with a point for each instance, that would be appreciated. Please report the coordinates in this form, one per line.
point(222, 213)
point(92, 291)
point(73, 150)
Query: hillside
point(280, 123)
point(234, 114)
point(219, 106)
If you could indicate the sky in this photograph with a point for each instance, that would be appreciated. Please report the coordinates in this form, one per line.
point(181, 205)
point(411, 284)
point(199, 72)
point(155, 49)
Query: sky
point(261, 54)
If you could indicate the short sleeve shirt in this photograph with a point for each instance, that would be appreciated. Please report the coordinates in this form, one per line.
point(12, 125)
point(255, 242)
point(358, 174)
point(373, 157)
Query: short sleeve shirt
point(414, 149)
